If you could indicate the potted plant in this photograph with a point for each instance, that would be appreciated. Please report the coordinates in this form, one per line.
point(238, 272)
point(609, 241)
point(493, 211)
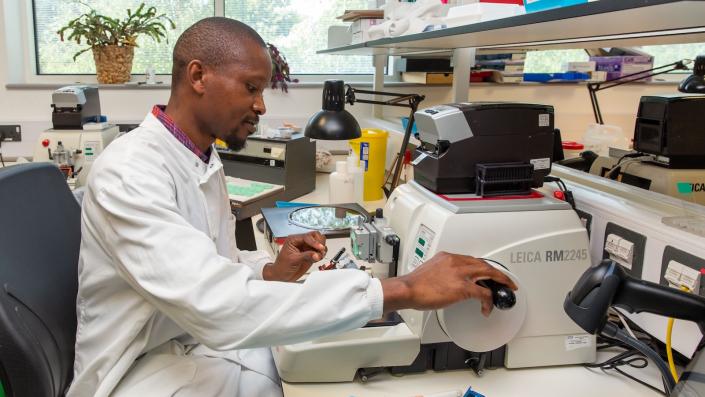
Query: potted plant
point(280, 69)
point(113, 40)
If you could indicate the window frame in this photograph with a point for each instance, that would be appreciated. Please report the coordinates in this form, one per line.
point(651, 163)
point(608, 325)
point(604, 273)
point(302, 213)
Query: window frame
point(23, 69)
point(28, 63)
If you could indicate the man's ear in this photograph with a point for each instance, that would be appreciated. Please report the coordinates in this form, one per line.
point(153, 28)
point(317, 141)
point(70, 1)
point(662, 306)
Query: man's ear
point(194, 74)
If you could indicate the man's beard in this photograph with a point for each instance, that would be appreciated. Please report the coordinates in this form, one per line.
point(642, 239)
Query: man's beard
point(235, 143)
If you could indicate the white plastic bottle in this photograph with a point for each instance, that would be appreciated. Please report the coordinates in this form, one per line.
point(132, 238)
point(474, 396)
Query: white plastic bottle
point(341, 184)
point(358, 178)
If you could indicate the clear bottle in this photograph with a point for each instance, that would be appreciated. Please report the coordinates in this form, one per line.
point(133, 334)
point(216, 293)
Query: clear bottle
point(358, 178)
point(341, 184)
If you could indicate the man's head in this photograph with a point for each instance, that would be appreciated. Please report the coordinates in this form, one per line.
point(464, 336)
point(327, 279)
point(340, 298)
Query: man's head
point(220, 69)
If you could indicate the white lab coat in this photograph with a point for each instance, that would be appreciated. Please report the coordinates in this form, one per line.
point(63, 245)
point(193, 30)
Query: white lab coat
point(167, 305)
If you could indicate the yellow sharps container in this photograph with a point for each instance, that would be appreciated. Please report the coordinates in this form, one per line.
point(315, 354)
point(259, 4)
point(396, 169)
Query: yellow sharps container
point(371, 150)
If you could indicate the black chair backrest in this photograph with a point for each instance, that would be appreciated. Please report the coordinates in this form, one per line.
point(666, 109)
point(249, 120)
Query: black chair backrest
point(40, 236)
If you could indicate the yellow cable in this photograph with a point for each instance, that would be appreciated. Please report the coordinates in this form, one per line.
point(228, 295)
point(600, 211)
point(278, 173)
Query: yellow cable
point(669, 349)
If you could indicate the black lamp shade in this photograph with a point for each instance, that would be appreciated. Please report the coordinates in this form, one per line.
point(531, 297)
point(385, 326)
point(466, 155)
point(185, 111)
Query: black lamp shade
point(695, 83)
point(332, 125)
point(333, 122)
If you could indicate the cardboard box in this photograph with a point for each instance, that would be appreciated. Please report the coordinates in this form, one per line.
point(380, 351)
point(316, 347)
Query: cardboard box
point(618, 66)
point(597, 76)
point(427, 78)
point(584, 67)
point(360, 29)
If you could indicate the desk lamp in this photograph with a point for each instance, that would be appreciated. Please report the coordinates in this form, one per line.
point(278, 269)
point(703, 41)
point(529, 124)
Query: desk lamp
point(333, 122)
point(695, 83)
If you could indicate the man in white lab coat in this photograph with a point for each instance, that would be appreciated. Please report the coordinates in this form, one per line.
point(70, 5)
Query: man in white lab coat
point(167, 304)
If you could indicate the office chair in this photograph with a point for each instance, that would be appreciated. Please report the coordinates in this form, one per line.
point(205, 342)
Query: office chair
point(41, 232)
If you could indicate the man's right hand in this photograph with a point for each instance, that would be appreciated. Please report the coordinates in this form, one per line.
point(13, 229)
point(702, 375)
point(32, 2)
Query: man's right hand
point(441, 281)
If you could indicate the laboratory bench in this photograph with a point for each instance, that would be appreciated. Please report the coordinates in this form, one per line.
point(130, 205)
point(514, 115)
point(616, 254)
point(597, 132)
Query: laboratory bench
point(573, 380)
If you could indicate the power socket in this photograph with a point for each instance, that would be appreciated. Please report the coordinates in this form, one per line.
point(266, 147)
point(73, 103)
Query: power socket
point(685, 259)
point(11, 132)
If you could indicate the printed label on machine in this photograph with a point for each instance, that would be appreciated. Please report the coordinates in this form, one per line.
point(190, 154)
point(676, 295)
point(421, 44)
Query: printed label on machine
point(541, 164)
point(544, 120)
point(573, 342)
point(423, 241)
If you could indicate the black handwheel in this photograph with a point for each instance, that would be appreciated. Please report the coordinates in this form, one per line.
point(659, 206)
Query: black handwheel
point(503, 297)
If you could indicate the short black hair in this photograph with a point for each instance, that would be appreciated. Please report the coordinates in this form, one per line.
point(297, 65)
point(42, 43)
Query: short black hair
point(215, 41)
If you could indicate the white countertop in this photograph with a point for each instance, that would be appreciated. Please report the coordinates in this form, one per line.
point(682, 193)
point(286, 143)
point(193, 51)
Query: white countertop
point(568, 381)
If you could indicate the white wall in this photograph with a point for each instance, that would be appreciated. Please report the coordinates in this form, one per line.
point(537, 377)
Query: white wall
point(31, 107)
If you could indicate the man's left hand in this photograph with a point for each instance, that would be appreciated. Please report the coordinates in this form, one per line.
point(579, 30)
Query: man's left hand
point(296, 256)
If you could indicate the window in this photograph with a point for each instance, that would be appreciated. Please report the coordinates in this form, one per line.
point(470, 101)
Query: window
point(553, 60)
point(299, 28)
point(665, 54)
point(55, 57)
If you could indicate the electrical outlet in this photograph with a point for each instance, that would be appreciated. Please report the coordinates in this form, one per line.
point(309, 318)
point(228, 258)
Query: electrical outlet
point(625, 246)
point(679, 268)
point(11, 132)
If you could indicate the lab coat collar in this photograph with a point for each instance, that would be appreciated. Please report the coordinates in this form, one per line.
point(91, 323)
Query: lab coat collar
point(191, 161)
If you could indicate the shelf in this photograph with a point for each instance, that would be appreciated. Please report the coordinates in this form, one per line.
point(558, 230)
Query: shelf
point(603, 23)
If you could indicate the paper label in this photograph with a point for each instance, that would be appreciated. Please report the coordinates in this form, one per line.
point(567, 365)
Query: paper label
point(364, 155)
point(574, 342)
point(419, 159)
point(277, 152)
point(544, 120)
point(541, 164)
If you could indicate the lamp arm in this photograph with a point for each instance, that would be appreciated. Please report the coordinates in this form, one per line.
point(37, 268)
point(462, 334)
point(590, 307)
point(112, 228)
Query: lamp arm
point(413, 101)
point(595, 105)
point(351, 98)
point(679, 65)
point(386, 103)
point(594, 87)
point(397, 94)
point(402, 151)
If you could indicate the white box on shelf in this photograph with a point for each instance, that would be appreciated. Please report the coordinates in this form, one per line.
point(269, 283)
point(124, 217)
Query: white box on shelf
point(360, 29)
point(339, 36)
point(480, 12)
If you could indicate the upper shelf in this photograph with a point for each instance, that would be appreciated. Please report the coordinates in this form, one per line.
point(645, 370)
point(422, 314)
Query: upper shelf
point(604, 23)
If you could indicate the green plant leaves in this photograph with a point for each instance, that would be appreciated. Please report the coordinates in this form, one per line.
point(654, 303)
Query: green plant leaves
point(98, 30)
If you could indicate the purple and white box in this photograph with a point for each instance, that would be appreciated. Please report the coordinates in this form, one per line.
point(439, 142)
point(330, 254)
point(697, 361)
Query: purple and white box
point(618, 66)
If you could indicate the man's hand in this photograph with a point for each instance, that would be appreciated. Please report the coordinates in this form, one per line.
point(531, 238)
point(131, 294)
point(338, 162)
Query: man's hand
point(298, 253)
point(441, 281)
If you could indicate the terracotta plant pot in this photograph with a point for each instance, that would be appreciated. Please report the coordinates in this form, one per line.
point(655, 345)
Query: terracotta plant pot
point(113, 64)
